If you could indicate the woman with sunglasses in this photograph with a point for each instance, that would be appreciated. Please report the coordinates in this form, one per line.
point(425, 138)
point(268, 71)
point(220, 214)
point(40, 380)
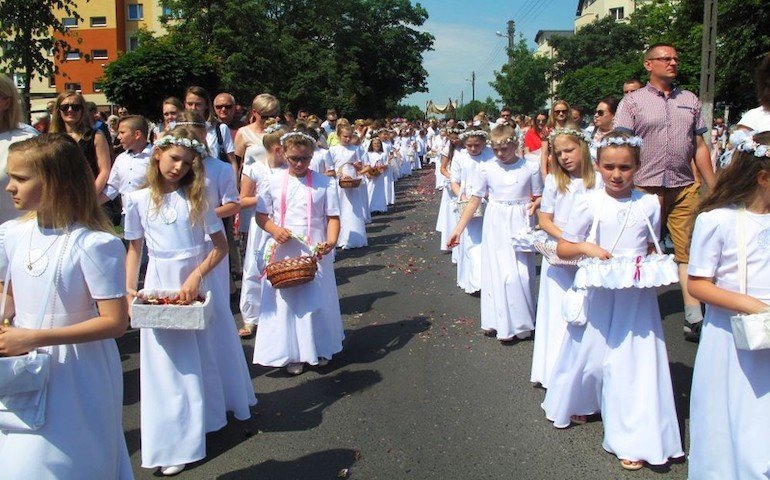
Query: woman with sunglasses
point(558, 119)
point(69, 117)
point(603, 117)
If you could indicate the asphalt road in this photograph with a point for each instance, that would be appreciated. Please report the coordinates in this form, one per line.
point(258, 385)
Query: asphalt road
point(418, 392)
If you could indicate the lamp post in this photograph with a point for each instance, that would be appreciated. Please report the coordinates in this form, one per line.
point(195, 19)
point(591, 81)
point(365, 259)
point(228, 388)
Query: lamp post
point(510, 36)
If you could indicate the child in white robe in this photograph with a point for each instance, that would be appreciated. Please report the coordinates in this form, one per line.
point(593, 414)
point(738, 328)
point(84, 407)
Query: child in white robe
point(616, 362)
point(513, 189)
point(68, 249)
point(573, 174)
point(730, 400)
point(347, 162)
point(187, 385)
point(301, 324)
point(375, 184)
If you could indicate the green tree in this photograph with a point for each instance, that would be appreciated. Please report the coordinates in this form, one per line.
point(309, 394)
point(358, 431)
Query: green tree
point(587, 85)
point(142, 78)
point(360, 57)
point(470, 109)
point(523, 86)
point(409, 112)
point(29, 29)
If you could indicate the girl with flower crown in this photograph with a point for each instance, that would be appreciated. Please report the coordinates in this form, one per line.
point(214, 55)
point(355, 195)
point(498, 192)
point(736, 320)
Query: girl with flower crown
point(187, 385)
point(573, 175)
point(252, 177)
point(465, 165)
point(347, 162)
point(615, 361)
point(511, 184)
point(447, 216)
point(730, 401)
point(299, 210)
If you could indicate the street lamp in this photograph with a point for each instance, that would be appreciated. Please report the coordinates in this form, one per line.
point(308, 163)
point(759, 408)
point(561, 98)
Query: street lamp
point(509, 35)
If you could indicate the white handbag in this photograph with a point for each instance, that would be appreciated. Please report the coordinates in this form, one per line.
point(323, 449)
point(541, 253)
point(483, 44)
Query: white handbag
point(750, 332)
point(24, 378)
point(574, 306)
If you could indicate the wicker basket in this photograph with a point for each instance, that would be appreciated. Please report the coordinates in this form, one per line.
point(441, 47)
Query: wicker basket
point(349, 182)
point(479, 212)
point(291, 271)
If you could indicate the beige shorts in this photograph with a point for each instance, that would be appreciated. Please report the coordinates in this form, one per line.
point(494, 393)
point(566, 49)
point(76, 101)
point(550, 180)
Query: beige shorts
point(678, 206)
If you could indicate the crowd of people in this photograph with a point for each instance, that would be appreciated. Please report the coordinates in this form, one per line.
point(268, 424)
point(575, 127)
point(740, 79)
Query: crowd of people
point(213, 193)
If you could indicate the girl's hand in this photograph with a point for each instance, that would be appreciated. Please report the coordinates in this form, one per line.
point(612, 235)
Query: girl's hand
point(16, 341)
point(454, 240)
point(324, 248)
point(532, 207)
point(595, 251)
point(281, 235)
point(757, 306)
point(190, 288)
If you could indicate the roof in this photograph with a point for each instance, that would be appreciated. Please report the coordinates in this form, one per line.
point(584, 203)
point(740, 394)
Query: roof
point(544, 35)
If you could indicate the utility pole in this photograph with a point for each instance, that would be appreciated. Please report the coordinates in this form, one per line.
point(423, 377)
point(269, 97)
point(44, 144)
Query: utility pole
point(473, 86)
point(708, 64)
point(511, 30)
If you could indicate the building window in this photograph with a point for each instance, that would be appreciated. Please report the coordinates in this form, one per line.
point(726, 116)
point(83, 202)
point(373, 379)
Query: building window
point(52, 81)
point(617, 13)
point(97, 87)
point(73, 86)
point(18, 80)
point(98, 21)
point(72, 55)
point(133, 44)
point(69, 22)
point(135, 11)
point(99, 54)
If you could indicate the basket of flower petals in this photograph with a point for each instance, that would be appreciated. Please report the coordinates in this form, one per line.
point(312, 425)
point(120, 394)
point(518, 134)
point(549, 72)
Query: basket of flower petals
point(376, 171)
point(349, 182)
point(164, 309)
point(292, 271)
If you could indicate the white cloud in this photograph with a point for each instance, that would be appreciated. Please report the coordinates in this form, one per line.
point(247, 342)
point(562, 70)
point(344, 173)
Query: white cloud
point(459, 50)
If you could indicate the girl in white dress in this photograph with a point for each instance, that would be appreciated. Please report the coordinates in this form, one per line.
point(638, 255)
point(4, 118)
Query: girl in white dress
point(347, 162)
point(375, 185)
point(616, 362)
point(187, 384)
point(391, 172)
point(66, 245)
point(730, 401)
point(513, 187)
point(573, 174)
point(447, 211)
point(253, 174)
point(463, 177)
point(300, 324)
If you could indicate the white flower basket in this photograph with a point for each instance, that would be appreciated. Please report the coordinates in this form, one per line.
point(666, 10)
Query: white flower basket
point(169, 317)
point(751, 332)
point(648, 271)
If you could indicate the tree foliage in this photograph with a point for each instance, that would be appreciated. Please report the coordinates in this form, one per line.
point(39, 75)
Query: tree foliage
point(409, 112)
point(523, 86)
point(594, 61)
point(470, 109)
point(159, 68)
point(359, 56)
point(28, 31)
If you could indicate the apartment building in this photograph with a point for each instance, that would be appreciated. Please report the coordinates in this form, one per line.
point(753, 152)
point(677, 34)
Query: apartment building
point(105, 29)
point(591, 10)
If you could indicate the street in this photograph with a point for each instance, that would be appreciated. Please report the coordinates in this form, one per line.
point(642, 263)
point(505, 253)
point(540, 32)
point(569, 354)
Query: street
point(418, 392)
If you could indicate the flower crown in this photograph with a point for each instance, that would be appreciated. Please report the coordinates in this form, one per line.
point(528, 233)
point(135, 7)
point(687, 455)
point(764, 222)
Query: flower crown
point(181, 142)
point(273, 128)
point(189, 124)
point(569, 131)
point(506, 141)
point(744, 142)
point(458, 131)
point(617, 141)
point(287, 136)
point(473, 133)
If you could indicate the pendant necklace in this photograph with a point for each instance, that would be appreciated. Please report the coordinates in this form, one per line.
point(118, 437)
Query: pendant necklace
point(167, 212)
point(763, 237)
point(37, 266)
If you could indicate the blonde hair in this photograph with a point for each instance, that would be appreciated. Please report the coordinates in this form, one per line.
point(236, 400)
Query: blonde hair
point(551, 123)
point(587, 172)
point(57, 159)
point(502, 133)
point(266, 105)
point(270, 140)
point(12, 116)
point(193, 184)
point(57, 124)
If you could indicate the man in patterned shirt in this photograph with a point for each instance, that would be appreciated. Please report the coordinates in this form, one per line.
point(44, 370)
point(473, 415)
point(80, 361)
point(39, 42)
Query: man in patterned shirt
point(669, 121)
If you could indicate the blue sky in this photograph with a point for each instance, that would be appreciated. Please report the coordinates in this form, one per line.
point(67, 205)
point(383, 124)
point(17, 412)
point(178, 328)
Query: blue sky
point(465, 41)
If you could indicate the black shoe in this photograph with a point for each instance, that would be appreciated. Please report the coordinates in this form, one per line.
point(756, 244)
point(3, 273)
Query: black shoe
point(692, 331)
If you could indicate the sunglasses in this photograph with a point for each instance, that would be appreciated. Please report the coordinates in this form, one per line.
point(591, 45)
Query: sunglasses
point(75, 107)
point(666, 59)
point(299, 159)
point(599, 113)
point(223, 107)
point(559, 111)
point(540, 120)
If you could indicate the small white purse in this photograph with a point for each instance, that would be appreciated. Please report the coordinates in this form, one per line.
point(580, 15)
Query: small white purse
point(750, 332)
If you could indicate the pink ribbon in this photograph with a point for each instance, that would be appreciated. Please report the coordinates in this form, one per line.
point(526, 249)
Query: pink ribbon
point(638, 270)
